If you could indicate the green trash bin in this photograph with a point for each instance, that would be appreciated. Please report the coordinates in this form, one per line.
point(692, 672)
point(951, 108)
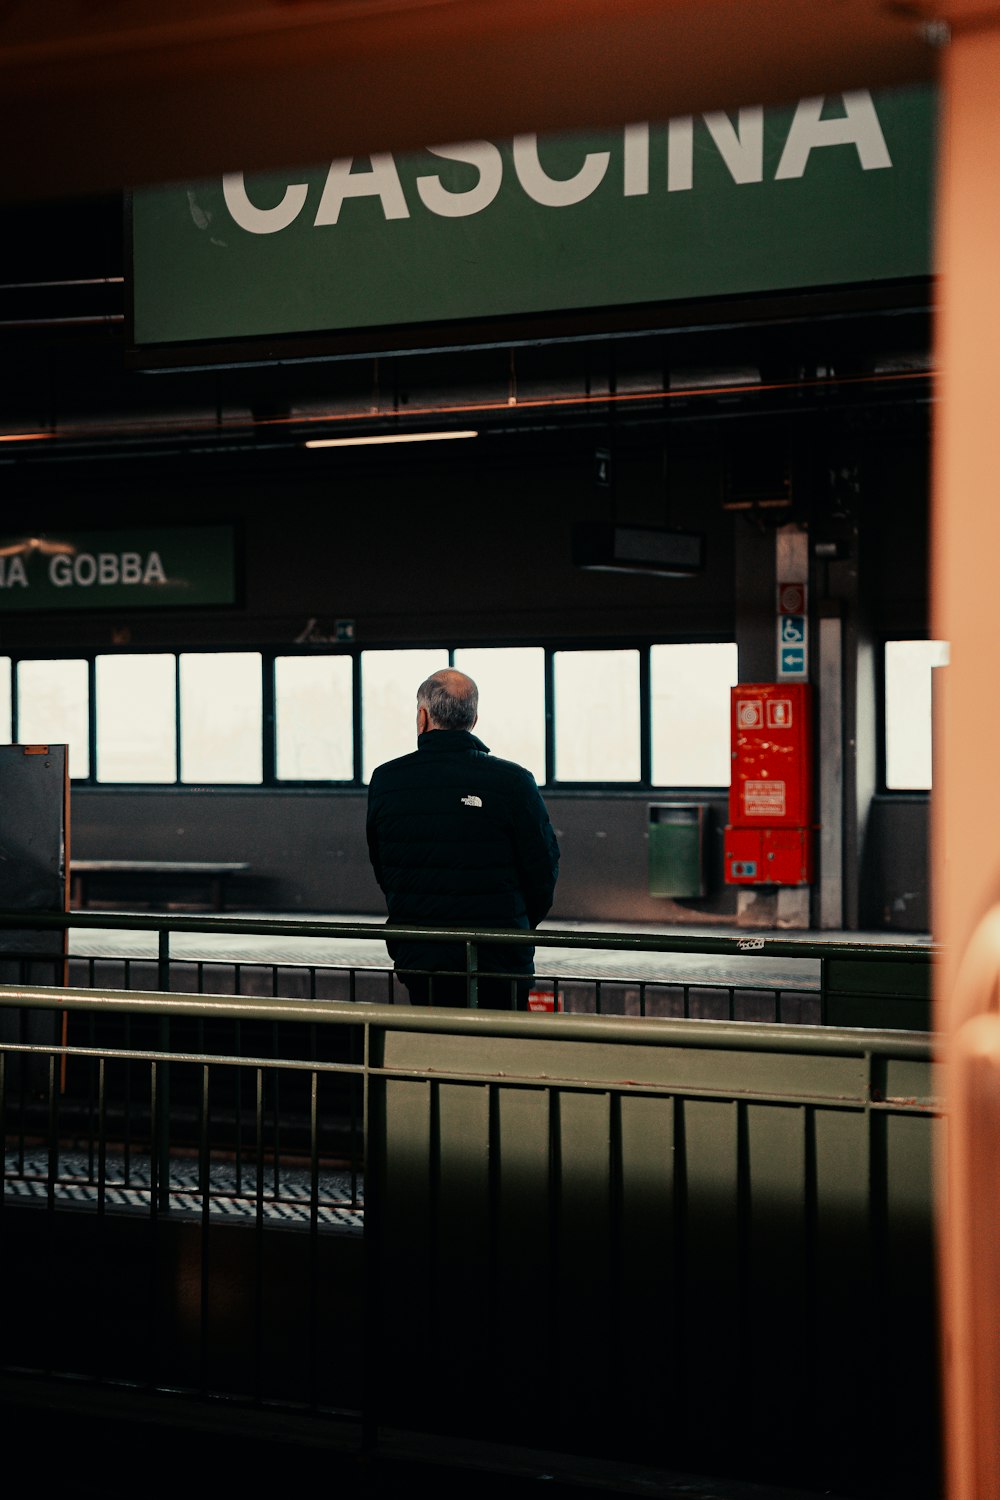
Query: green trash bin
point(677, 848)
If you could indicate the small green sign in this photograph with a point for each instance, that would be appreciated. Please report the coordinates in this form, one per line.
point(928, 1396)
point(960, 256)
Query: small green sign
point(825, 192)
point(130, 569)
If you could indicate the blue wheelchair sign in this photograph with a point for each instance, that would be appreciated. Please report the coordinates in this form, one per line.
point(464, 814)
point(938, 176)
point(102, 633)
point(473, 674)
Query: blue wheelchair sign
point(792, 645)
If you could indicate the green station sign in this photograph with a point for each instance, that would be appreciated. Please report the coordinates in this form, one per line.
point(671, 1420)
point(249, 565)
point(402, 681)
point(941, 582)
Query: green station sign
point(828, 191)
point(128, 569)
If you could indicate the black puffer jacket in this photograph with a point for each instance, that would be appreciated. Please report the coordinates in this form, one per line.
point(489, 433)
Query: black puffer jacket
point(460, 838)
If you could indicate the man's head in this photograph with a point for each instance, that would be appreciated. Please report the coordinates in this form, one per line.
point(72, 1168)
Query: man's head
point(447, 700)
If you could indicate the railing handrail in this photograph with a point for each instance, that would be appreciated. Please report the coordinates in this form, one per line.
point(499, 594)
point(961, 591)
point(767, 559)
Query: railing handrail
point(663, 1031)
point(735, 945)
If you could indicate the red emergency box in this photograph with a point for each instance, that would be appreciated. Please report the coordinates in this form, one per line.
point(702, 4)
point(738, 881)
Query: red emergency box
point(769, 834)
point(768, 856)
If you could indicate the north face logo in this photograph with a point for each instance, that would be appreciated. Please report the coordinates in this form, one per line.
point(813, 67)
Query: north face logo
point(472, 801)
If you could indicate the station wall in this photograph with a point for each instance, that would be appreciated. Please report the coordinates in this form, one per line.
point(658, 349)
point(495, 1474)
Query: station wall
point(475, 547)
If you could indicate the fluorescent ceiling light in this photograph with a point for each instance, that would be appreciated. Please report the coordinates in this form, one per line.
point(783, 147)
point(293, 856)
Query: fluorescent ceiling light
point(388, 437)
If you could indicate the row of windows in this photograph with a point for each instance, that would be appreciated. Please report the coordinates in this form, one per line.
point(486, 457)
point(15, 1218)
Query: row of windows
point(656, 715)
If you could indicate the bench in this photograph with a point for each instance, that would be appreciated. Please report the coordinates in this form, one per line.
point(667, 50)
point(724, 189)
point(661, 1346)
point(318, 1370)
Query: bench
point(206, 878)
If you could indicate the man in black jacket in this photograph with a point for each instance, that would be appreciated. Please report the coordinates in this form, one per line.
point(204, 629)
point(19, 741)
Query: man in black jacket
point(460, 838)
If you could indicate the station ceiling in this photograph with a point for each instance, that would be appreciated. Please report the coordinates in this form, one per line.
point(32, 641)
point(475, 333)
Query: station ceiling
point(99, 98)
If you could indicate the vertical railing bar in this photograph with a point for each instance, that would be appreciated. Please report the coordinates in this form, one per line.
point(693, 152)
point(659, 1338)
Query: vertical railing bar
point(679, 1225)
point(205, 1187)
point(744, 1321)
point(472, 975)
point(154, 1220)
point(276, 1042)
point(876, 1404)
point(811, 1241)
point(238, 1052)
point(371, 1356)
point(616, 1252)
point(493, 1188)
point(550, 1359)
point(258, 1311)
point(102, 1136)
point(163, 1082)
point(356, 1124)
point(3, 1134)
point(127, 1109)
point(313, 1334)
point(21, 1097)
point(91, 1030)
point(433, 1196)
point(276, 1141)
point(53, 1126)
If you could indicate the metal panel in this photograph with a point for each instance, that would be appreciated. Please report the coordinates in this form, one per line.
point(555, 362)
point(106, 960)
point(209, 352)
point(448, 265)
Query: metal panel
point(779, 1069)
point(746, 1213)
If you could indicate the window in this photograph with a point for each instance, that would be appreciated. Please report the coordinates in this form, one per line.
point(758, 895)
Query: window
point(6, 721)
point(314, 718)
point(639, 716)
point(690, 712)
point(596, 709)
point(908, 674)
point(511, 683)
point(221, 717)
point(53, 708)
point(389, 682)
point(136, 703)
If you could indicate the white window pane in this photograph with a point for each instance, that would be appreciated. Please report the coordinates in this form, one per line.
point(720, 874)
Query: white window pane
point(314, 717)
point(53, 706)
point(689, 687)
point(136, 718)
point(221, 716)
point(6, 723)
point(908, 668)
point(389, 682)
point(511, 683)
point(597, 715)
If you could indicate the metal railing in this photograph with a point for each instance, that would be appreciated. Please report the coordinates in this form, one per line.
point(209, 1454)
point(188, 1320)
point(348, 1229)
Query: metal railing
point(851, 983)
point(582, 1176)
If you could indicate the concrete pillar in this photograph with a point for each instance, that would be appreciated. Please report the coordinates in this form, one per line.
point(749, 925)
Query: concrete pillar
point(966, 800)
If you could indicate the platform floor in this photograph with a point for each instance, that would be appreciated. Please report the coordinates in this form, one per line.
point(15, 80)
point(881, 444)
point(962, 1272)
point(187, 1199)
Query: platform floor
point(160, 1441)
point(335, 950)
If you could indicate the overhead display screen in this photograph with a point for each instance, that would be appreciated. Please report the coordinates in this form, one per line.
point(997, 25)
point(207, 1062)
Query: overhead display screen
point(828, 191)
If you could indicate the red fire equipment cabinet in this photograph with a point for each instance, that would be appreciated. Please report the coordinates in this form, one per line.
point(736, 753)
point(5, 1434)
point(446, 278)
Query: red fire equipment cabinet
point(769, 833)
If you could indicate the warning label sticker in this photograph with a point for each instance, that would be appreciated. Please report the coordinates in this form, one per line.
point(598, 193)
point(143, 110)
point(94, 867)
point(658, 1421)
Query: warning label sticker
point(764, 799)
